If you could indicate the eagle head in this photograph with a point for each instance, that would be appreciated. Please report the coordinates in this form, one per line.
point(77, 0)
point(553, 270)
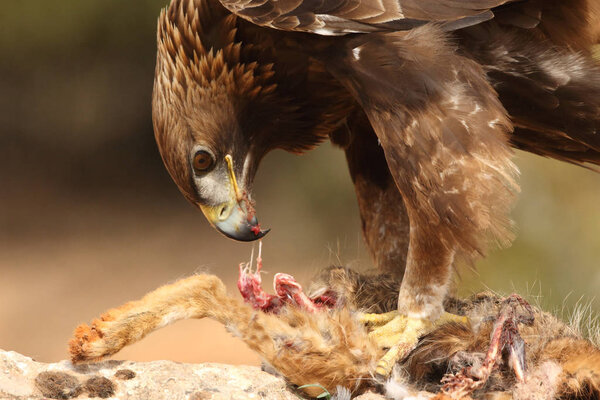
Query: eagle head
point(205, 120)
point(217, 110)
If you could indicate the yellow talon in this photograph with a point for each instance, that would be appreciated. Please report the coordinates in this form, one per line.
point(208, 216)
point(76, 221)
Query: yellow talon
point(377, 319)
point(385, 365)
point(391, 333)
point(447, 317)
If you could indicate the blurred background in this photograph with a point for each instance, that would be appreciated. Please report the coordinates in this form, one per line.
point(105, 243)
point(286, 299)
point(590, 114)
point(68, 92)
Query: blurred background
point(89, 218)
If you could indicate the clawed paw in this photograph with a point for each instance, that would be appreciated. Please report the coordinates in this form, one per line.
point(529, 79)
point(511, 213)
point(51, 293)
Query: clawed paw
point(87, 343)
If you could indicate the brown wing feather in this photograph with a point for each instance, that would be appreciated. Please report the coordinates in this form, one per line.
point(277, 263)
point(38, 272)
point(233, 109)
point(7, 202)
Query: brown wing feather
point(551, 92)
point(338, 17)
point(443, 131)
point(574, 24)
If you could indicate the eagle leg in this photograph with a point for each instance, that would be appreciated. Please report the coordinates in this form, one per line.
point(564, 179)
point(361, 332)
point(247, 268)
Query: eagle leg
point(384, 220)
point(444, 134)
point(420, 301)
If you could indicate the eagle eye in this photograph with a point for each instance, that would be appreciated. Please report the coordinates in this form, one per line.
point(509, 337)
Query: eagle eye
point(203, 161)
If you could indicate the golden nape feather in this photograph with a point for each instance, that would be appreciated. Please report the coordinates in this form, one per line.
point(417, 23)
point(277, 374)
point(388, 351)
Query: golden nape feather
point(335, 349)
point(185, 57)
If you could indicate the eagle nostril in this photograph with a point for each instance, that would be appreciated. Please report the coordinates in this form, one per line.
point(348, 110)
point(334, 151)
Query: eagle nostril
point(223, 212)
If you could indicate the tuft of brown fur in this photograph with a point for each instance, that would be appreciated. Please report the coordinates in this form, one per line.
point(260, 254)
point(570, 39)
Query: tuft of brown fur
point(99, 386)
point(376, 293)
point(58, 385)
point(125, 374)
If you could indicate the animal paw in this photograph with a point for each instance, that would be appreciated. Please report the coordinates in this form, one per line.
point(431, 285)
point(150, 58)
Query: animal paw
point(89, 344)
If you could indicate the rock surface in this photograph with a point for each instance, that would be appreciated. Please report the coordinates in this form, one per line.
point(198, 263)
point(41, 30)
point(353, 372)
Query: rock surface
point(23, 378)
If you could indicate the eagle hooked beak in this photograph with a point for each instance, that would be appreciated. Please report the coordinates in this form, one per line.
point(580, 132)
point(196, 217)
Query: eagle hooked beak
point(235, 219)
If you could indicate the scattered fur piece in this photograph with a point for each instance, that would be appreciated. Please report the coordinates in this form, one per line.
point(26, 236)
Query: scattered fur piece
point(541, 383)
point(99, 386)
point(125, 374)
point(397, 390)
point(202, 395)
point(341, 393)
point(397, 387)
point(58, 385)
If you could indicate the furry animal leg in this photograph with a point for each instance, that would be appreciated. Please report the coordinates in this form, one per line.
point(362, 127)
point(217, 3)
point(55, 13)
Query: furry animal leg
point(505, 336)
point(198, 296)
point(332, 347)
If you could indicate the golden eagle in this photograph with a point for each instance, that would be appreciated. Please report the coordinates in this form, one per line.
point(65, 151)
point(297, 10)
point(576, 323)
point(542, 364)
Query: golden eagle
point(426, 97)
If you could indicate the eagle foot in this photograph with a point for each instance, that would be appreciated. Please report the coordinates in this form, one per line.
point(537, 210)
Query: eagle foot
point(400, 334)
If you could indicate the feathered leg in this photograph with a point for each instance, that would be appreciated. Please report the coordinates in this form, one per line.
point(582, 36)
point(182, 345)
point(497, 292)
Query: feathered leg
point(384, 219)
point(444, 135)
